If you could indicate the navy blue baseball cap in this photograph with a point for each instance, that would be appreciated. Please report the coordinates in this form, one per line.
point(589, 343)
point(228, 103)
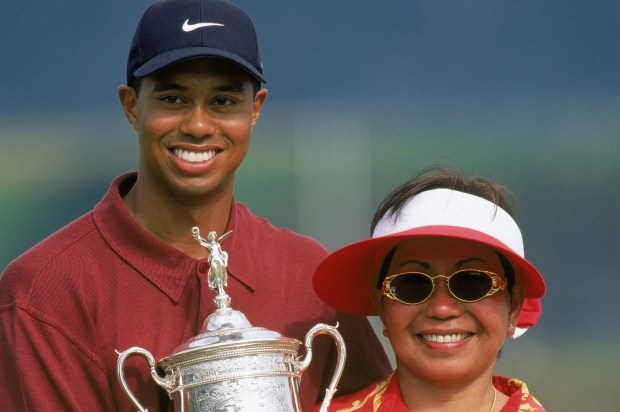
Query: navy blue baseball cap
point(171, 31)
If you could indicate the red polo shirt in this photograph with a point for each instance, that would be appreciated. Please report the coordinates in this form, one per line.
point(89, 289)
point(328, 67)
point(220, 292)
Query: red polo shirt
point(103, 283)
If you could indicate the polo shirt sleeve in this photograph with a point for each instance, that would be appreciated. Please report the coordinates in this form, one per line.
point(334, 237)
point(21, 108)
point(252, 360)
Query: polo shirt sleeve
point(43, 370)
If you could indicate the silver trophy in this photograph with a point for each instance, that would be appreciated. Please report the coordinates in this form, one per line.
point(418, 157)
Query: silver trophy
point(231, 366)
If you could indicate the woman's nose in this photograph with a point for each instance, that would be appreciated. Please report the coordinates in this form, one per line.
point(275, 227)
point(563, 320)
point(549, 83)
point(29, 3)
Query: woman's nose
point(442, 304)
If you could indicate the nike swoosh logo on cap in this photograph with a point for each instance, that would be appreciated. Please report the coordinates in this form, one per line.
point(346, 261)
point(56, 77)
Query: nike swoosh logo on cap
point(187, 27)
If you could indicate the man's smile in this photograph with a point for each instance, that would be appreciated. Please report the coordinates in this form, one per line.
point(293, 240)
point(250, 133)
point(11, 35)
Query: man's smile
point(194, 156)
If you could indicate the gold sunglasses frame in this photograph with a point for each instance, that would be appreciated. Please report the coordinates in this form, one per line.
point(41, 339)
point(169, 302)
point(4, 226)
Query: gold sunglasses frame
point(497, 283)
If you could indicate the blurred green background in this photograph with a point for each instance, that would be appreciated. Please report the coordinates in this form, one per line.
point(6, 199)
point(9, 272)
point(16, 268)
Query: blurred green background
point(362, 96)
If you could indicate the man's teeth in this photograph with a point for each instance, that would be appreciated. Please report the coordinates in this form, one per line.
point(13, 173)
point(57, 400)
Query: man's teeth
point(455, 337)
point(194, 156)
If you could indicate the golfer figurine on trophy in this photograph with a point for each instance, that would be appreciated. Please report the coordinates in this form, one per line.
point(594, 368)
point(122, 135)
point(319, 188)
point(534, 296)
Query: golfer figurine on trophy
point(218, 261)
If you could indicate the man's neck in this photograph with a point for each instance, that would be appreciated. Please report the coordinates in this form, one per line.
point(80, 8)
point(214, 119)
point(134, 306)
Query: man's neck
point(171, 220)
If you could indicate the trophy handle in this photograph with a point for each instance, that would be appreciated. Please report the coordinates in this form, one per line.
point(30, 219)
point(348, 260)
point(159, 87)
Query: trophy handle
point(322, 329)
point(120, 373)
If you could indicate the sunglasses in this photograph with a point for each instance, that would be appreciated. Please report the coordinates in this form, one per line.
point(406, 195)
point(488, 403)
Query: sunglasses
point(469, 285)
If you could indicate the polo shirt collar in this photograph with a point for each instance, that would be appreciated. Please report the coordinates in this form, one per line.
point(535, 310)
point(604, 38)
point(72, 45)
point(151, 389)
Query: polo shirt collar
point(241, 246)
point(163, 265)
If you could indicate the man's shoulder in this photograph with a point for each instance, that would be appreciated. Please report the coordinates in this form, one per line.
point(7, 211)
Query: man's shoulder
point(266, 231)
point(58, 241)
point(22, 274)
point(71, 239)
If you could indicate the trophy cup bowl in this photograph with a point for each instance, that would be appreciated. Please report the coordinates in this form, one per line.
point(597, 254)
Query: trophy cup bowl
point(232, 366)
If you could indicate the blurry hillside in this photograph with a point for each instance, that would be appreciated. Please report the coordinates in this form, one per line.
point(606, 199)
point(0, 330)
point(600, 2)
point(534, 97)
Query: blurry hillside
point(362, 96)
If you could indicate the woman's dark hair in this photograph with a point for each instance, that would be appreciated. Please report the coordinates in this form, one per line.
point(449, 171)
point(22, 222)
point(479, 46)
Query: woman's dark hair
point(443, 177)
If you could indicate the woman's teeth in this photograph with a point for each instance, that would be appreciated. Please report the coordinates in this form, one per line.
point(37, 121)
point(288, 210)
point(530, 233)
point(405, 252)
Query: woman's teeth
point(194, 156)
point(454, 337)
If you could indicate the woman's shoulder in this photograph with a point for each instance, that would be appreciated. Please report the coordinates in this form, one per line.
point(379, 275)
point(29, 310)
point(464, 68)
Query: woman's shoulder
point(520, 397)
point(367, 399)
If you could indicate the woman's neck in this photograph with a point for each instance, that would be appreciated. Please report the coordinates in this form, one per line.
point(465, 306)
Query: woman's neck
point(473, 396)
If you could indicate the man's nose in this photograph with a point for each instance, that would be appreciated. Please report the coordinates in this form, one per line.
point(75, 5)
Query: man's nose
point(198, 123)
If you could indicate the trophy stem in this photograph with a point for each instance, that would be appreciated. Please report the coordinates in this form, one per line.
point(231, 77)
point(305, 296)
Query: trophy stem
point(222, 300)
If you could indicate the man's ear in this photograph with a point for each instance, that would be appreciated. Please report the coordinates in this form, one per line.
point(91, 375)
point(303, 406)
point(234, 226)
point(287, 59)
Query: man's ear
point(259, 102)
point(129, 99)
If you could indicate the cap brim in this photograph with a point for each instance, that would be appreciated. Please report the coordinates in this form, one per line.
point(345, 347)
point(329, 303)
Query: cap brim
point(167, 59)
point(345, 277)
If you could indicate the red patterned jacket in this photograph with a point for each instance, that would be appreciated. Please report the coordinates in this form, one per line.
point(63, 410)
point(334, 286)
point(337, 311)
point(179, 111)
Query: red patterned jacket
point(384, 396)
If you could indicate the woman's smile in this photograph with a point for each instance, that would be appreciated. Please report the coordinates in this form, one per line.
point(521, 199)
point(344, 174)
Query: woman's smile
point(446, 338)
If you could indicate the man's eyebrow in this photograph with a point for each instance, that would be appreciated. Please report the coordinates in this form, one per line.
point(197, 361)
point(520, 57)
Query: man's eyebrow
point(234, 88)
point(161, 86)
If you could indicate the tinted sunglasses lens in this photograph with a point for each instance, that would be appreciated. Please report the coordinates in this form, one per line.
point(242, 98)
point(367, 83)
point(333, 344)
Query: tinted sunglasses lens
point(470, 285)
point(411, 287)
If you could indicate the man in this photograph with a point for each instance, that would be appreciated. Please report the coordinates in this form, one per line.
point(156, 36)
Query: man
point(130, 273)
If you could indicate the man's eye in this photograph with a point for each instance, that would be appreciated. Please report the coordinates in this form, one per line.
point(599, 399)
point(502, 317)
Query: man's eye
point(222, 101)
point(171, 99)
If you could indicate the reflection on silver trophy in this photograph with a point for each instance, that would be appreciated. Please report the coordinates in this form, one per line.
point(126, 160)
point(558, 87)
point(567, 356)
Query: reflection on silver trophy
point(231, 366)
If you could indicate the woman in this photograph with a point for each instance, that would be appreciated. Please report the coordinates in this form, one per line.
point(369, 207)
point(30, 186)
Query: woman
point(445, 272)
